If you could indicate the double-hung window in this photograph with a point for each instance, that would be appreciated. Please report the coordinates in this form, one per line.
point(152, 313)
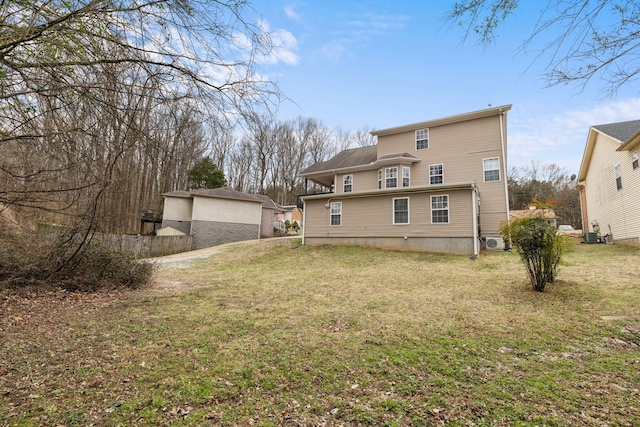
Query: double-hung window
point(347, 183)
point(634, 160)
point(336, 213)
point(422, 139)
point(491, 168)
point(391, 177)
point(380, 179)
point(401, 210)
point(618, 173)
point(406, 175)
point(436, 174)
point(440, 209)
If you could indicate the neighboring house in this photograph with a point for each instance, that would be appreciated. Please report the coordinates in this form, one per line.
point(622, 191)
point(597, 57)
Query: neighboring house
point(438, 185)
point(548, 214)
point(292, 213)
point(219, 216)
point(609, 181)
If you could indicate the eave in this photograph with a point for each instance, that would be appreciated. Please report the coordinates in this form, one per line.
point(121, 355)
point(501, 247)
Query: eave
point(444, 121)
point(439, 188)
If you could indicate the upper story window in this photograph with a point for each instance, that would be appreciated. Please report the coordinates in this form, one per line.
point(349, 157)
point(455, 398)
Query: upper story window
point(618, 173)
point(436, 174)
point(336, 213)
point(406, 176)
point(391, 177)
point(440, 209)
point(634, 160)
point(380, 179)
point(401, 210)
point(422, 139)
point(347, 183)
point(491, 168)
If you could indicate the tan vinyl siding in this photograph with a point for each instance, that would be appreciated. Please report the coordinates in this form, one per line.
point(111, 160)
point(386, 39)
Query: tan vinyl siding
point(362, 180)
point(607, 204)
point(373, 217)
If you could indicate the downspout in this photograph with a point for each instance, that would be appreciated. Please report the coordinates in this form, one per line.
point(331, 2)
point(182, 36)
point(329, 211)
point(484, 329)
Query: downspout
point(504, 168)
point(476, 237)
point(304, 217)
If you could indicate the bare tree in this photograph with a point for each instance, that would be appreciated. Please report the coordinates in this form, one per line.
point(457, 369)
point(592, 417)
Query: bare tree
point(588, 40)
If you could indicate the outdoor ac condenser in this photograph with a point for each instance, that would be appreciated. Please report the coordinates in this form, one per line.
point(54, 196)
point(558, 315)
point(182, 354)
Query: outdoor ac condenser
point(495, 243)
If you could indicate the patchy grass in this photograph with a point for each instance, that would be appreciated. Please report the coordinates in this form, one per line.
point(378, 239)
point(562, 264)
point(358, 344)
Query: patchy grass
point(270, 335)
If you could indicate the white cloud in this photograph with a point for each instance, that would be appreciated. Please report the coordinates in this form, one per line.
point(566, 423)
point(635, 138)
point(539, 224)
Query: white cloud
point(560, 138)
point(291, 13)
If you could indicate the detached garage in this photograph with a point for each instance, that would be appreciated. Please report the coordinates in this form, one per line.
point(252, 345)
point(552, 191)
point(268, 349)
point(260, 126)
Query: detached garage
point(219, 216)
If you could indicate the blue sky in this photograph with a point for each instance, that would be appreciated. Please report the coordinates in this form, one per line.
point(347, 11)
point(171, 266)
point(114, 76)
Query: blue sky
point(379, 64)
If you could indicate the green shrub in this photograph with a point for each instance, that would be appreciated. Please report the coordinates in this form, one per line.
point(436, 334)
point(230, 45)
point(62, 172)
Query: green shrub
point(540, 248)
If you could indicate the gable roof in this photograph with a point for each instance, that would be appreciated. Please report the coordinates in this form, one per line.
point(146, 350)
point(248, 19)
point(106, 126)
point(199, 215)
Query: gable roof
point(627, 134)
point(345, 159)
point(225, 193)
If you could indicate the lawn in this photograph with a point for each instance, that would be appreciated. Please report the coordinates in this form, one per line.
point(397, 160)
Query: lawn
point(280, 334)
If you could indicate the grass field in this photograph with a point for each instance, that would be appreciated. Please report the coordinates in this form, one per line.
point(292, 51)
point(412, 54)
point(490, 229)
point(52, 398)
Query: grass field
point(275, 335)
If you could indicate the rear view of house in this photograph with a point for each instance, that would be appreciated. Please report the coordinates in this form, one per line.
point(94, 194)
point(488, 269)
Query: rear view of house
point(437, 185)
point(609, 182)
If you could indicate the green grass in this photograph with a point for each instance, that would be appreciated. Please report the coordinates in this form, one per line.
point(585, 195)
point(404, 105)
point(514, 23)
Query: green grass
point(270, 335)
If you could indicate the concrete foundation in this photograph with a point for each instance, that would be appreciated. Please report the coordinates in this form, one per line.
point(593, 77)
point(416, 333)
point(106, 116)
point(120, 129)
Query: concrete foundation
point(454, 245)
point(211, 233)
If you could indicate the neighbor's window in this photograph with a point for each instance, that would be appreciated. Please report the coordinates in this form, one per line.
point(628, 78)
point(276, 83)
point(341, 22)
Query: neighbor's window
point(422, 139)
point(440, 209)
point(391, 177)
point(347, 183)
point(401, 211)
point(336, 213)
point(491, 168)
point(436, 174)
point(634, 159)
point(379, 179)
point(618, 172)
point(406, 173)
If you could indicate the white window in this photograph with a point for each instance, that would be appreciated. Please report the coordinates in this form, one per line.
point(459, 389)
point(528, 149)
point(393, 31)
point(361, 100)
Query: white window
point(406, 175)
point(491, 168)
point(401, 211)
point(391, 177)
point(422, 139)
point(347, 183)
point(379, 179)
point(634, 159)
point(618, 172)
point(336, 213)
point(440, 209)
point(436, 174)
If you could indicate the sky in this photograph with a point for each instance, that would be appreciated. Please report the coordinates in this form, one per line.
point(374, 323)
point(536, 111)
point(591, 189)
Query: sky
point(379, 64)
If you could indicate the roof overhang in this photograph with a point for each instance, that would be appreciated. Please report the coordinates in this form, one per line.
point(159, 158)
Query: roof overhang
point(631, 143)
point(326, 177)
point(439, 188)
point(444, 121)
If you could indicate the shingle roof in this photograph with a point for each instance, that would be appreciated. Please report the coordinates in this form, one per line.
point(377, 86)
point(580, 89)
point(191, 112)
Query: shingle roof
point(621, 131)
point(345, 159)
point(226, 193)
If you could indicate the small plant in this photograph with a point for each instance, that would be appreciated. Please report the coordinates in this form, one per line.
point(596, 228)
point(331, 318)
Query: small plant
point(540, 248)
point(287, 225)
point(296, 226)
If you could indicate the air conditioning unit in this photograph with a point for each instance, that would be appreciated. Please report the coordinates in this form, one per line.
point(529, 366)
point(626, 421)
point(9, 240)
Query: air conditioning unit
point(494, 243)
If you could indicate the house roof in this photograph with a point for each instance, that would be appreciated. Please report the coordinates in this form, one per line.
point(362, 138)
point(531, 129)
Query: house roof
point(346, 159)
point(627, 134)
point(225, 193)
point(487, 112)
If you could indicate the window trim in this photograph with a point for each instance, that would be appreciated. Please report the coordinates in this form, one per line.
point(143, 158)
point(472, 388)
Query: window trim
point(345, 184)
point(379, 179)
point(485, 170)
point(387, 178)
point(408, 176)
point(420, 140)
point(337, 213)
point(441, 175)
point(634, 160)
point(447, 209)
point(393, 209)
point(617, 172)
